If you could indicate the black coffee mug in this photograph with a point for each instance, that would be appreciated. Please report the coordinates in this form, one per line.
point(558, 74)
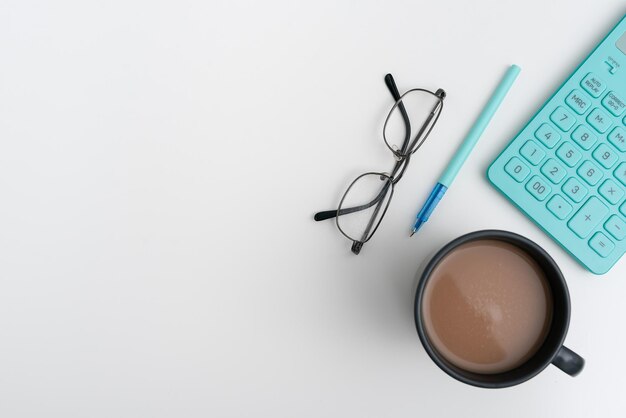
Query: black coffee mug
point(551, 352)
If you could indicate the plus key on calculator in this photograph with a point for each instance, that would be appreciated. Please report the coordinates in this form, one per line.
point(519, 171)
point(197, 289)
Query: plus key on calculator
point(566, 169)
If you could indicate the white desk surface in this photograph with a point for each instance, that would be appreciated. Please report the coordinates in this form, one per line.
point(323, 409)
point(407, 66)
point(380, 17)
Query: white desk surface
point(160, 164)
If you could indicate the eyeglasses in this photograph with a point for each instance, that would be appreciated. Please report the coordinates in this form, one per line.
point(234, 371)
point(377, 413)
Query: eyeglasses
point(366, 200)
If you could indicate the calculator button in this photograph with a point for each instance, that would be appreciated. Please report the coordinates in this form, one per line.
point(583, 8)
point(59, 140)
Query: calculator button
point(616, 227)
point(568, 154)
point(563, 118)
point(599, 120)
point(584, 137)
point(553, 171)
point(611, 191)
point(617, 137)
point(547, 135)
point(590, 173)
point(588, 217)
point(517, 169)
point(613, 103)
point(601, 244)
point(578, 101)
point(559, 207)
point(593, 85)
point(538, 188)
point(620, 173)
point(606, 156)
point(575, 190)
point(532, 152)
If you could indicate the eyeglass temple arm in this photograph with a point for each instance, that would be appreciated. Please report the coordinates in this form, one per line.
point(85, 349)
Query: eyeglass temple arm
point(393, 89)
point(441, 94)
point(357, 245)
point(391, 85)
point(424, 126)
point(327, 214)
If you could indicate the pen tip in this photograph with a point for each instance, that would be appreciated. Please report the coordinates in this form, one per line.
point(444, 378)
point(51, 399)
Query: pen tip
point(413, 232)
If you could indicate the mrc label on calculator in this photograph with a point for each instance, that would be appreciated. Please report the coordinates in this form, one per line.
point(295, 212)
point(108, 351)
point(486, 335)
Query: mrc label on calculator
point(566, 169)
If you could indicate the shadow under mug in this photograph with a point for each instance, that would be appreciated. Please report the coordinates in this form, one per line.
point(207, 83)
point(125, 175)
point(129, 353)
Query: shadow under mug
point(551, 352)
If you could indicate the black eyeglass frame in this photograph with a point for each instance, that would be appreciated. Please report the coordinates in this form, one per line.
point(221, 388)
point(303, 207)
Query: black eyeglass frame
point(402, 157)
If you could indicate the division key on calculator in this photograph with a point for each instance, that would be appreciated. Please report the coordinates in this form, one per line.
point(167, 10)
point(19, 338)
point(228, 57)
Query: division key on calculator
point(566, 169)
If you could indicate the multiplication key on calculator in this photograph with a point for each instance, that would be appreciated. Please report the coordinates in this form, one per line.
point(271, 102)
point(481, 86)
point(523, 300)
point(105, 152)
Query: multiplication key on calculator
point(566, 169)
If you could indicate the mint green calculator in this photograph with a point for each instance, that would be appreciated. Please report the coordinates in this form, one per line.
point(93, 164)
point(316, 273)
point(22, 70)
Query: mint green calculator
point(566, 169)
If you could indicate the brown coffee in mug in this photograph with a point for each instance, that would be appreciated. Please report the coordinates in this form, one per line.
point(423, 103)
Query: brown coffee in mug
point(487, 306)
point(492, 310)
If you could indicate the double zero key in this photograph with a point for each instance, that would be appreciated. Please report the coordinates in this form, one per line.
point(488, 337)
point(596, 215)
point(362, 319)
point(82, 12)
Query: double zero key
point(537, 187)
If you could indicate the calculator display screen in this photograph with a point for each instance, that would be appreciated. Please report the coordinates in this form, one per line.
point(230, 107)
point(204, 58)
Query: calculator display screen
point(621, 43)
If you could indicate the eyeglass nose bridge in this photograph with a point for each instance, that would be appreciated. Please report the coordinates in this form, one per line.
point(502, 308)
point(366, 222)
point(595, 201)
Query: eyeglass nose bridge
point(397, 155)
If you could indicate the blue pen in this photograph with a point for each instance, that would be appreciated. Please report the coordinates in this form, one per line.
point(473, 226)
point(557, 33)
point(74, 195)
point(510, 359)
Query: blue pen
point(466, 147)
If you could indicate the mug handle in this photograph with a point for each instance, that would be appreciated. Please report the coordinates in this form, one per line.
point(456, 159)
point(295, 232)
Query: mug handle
point(568, 361)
